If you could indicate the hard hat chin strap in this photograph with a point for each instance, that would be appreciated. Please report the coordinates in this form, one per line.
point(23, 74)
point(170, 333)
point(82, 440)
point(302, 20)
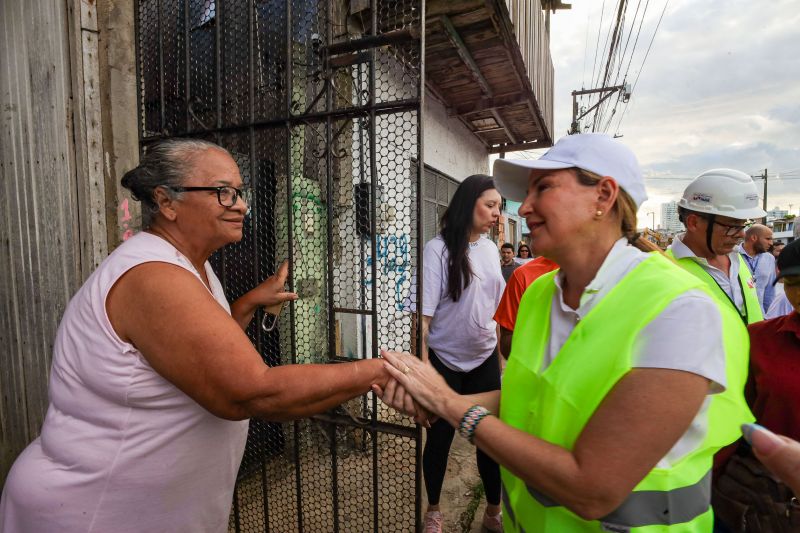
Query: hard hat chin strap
point(709, 231)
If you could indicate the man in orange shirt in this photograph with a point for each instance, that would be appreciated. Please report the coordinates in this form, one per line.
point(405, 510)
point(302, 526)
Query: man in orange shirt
point(506, 314)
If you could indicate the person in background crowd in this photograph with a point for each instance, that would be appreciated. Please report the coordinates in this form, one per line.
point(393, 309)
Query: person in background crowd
point(625, 375)
point(755, 252)
point(506, 314)
point(780, 304)
point(523, 254)
point(773, 393)
point(715, 209)
point(153, 378)
point(462, 284)
point(776, 249)
point(507, 263)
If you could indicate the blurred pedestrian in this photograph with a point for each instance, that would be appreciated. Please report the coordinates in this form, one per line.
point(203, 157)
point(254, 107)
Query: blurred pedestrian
point(506, 314)
point(715, 208)
point(523, 254)
point(507, 263)
point(755, 252)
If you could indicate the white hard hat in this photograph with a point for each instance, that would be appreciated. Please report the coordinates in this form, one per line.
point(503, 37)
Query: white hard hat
point(725, 192)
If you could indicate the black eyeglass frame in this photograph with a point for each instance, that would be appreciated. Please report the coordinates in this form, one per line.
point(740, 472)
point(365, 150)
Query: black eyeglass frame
point(244, 194)
point(732, 231)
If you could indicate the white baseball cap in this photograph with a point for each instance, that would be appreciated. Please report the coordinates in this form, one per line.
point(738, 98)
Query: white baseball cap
point(595, 152)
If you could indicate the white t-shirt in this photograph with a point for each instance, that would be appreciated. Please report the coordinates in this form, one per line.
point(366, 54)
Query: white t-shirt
point(463, 333)
point(686, 335)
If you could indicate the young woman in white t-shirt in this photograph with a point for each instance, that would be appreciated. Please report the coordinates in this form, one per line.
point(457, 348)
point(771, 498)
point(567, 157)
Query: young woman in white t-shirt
point(462, 285)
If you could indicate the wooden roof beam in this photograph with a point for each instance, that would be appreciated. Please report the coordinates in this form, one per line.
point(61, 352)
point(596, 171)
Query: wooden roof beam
point(499, 119)
point(488, 104)
point(465, 55)
point(505, 148)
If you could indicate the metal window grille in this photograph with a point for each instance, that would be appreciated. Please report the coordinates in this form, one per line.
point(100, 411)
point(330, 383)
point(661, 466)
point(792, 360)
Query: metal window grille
point(319, 101)
point(437, 191)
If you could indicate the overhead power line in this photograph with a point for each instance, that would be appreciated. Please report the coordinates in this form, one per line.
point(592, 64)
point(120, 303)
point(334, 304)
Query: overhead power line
point(647, 53)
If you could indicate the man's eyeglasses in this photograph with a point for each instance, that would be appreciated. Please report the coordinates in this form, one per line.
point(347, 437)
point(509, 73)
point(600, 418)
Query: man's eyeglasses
point(732, 231)
point(226, 195)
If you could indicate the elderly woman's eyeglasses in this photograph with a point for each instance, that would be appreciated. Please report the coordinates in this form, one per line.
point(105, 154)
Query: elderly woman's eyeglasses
point(226, 195)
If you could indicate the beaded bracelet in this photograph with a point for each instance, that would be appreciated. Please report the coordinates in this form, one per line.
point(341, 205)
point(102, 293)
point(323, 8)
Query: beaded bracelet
point(470, 421)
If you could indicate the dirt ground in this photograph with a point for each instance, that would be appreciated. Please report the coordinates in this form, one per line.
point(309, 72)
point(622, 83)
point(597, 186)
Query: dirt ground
point(355, 504)
point(459, 483)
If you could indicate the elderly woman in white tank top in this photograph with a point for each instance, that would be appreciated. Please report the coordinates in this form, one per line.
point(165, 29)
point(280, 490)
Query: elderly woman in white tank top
point(153, 378)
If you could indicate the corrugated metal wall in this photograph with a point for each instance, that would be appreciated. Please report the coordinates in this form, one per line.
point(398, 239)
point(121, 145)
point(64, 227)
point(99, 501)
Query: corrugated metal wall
point(39, 216)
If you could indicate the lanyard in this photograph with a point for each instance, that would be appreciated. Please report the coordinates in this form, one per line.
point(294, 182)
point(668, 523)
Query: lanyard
point(752, 262)
point(744, 316)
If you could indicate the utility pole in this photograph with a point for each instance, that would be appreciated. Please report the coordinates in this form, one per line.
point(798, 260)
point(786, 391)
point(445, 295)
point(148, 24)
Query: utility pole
point(763, 177)
point(575, 126)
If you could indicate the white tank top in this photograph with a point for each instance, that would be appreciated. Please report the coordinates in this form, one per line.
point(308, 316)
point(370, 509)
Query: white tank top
point(122, 449)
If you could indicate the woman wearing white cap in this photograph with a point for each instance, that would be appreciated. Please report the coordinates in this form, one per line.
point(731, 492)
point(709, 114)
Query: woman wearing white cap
point(625, 376)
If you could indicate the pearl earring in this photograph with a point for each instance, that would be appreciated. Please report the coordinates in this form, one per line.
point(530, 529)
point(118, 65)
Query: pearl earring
point(599, 213)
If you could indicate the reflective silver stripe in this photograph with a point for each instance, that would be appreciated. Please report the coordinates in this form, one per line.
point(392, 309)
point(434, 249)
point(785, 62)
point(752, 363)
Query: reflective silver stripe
point(654, 507)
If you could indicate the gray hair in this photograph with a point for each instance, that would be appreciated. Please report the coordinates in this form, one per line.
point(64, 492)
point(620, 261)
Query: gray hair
point(165, 164)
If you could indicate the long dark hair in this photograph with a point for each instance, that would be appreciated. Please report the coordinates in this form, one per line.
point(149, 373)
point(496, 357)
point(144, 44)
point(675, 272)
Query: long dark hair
point(456, 227)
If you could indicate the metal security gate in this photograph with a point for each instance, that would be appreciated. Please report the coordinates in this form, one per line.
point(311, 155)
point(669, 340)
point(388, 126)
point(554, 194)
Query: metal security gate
point(320, 102)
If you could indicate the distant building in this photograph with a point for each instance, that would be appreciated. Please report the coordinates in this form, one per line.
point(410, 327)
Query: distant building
point(775, 214)
point(785, 230)
point(669, 217)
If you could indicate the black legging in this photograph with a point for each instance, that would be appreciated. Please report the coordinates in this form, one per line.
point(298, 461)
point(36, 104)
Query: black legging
point(484, 378)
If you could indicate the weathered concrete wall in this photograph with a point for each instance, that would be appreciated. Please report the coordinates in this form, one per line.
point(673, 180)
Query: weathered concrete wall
point(117, 72)
point(40, 240)
point(450, 147)
point(67, 132)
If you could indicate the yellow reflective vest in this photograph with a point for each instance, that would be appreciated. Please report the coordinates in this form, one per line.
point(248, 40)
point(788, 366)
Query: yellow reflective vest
point(555, 404)
point(746, 282)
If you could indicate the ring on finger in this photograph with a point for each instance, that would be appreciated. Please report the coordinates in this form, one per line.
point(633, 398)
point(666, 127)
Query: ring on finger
point(407, 370)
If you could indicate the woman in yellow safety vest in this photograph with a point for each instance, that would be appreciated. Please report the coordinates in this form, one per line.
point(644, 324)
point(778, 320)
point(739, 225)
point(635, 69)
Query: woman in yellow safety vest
point(625, 375)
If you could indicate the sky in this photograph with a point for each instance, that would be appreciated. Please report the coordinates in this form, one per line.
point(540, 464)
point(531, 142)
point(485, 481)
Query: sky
point(720, 88)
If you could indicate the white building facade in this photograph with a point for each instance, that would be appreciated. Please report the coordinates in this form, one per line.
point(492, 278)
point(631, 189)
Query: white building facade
point(669, 217)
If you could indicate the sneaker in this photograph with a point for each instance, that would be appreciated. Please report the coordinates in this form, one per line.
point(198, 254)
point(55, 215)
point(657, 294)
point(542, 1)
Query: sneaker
point(493, 524)
point(433, 522)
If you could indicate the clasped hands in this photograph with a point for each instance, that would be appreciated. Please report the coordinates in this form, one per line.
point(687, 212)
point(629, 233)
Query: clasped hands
point(414, 388)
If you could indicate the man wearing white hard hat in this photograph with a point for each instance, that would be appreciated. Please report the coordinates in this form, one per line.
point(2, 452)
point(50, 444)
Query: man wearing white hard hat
point(617, 361)
point(716, 208)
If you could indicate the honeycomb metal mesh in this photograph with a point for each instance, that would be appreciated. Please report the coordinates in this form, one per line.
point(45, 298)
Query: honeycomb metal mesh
point(319, 103)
